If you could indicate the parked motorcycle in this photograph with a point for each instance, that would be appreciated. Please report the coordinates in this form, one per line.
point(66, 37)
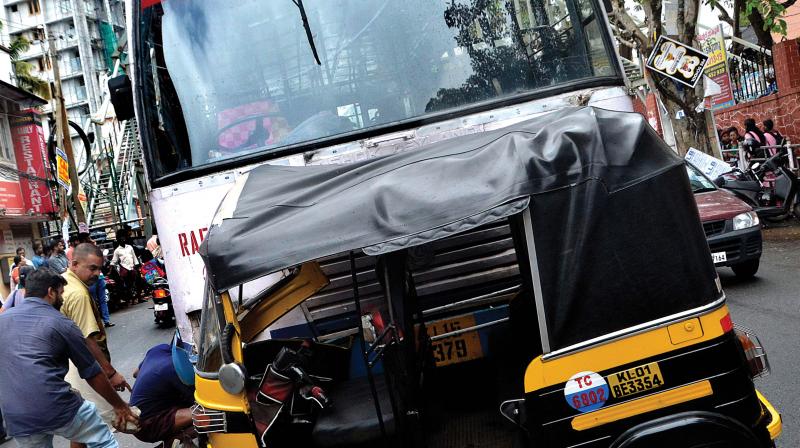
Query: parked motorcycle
point(162, 303)
point(769, 187)
point(155, 277)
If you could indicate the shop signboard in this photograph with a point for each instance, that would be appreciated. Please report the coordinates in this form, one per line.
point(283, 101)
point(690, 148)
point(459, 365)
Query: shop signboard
point(62, 167)
point(677, 61)
point(29, 149)
point(11, 203)
point(712, 42)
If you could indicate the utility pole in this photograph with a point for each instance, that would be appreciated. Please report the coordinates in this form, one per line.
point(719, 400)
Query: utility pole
point(64, 138)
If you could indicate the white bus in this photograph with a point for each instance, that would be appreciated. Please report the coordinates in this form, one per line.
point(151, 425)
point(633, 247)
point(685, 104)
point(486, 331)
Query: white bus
point(220, 87)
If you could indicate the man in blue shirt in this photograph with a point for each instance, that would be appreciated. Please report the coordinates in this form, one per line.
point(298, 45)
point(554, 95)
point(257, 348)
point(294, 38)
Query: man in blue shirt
point(162, 397)
point(37, 343)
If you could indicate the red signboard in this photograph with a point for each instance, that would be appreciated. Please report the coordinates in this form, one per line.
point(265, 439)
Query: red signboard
point(11, 198)
point(31, 155)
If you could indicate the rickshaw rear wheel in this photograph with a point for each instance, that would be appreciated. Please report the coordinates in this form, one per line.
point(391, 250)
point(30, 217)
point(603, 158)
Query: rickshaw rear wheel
point(696, 429)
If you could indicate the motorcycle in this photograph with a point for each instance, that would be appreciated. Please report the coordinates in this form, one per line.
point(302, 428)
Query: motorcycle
point(155, 277)
point(162, 303)
point(769, 187)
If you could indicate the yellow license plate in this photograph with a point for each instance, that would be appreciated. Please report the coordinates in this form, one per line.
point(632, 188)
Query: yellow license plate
point(455, 349)
point(635, 380)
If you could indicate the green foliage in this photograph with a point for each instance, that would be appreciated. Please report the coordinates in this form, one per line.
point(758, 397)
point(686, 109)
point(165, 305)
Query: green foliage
point(26, 80)
point(18, 46)
point(771, 11)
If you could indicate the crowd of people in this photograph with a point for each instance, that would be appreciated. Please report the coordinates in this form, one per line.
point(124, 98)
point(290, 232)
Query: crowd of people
point(758, 141)
point(56, 374)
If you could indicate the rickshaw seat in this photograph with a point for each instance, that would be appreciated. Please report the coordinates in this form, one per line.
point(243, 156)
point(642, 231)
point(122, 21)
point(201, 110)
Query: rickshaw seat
point(352, 420)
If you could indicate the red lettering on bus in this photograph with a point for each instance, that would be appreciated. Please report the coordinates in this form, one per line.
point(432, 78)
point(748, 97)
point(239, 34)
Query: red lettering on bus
point(195, 246)
point(182, 241)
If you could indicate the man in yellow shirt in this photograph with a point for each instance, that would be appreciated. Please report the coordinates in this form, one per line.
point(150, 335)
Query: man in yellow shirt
point(84, 269)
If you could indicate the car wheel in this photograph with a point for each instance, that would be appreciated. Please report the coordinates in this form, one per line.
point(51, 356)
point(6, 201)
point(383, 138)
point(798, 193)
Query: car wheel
point(746, 269)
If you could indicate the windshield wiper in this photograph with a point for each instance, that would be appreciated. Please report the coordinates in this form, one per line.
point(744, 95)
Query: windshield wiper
point(304, 17)
point(704, 189)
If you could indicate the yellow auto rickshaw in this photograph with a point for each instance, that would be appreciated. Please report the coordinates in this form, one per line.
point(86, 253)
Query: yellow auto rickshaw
point(548, 284)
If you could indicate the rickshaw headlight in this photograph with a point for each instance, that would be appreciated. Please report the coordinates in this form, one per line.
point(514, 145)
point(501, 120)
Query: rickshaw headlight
point(745, 220)
point(754, 352)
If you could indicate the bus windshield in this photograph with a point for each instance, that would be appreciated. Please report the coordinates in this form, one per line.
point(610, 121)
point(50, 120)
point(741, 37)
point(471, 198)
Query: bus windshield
point(222, 79)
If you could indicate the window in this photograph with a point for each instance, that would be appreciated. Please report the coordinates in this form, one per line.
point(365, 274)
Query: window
point(34, 7)
point(14, 8)
point(381, 64)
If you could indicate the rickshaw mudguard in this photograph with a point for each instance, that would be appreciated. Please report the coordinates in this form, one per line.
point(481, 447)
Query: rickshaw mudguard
point(306, 283)
point(775, 425)
point(239, 440)
point(701, 365)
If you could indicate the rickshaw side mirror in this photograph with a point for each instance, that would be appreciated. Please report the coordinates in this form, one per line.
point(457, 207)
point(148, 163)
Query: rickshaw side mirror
point(514, 411)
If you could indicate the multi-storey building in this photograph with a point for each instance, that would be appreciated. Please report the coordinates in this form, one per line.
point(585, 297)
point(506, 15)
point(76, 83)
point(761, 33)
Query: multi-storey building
point(85, 33)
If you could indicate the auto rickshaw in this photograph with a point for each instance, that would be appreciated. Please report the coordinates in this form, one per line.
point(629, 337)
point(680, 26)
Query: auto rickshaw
point(546, 285)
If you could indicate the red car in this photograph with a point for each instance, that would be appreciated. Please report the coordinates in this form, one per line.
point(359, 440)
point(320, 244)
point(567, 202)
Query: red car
point(732, 227)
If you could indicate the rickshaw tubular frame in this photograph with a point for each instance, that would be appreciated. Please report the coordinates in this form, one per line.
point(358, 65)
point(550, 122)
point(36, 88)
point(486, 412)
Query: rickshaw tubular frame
point(364, 355)
point(527, 223)
point(637, 329)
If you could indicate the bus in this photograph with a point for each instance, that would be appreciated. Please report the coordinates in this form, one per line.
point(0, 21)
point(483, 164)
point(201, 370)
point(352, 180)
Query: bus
point(222, 87)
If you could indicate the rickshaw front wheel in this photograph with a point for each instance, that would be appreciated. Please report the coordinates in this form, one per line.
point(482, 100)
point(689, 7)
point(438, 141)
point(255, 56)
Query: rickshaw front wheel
point(696, 429)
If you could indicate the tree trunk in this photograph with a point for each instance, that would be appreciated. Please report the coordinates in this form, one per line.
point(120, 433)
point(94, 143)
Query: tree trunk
point(691, 131)
point(764, 37)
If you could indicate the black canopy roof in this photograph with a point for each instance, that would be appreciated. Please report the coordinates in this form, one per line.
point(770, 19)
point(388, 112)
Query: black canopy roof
point(610, 202)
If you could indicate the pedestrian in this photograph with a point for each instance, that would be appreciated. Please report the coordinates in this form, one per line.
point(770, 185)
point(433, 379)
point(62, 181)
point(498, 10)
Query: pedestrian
point(724, 138)
point(154, 246)
point(14, 298)
point(36, 401)
point(769, 129)
point(127, 264)
point(19, 261)
point(73, 241)
point(39, 259)
point(58, 260)
point(754, 139)
point(733, 137)
point(87, 259)
point(164, 397)
point(100, 297)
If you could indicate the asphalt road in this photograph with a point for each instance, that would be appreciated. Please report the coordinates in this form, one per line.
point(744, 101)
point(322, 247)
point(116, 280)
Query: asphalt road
point(768, 304)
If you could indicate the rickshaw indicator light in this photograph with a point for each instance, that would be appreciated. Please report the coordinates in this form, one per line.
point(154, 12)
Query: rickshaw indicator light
point(754, 352)
point(727, 323)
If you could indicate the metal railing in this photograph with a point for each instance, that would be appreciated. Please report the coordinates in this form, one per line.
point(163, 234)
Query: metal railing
point(744, 161)
point(752, 74)
point(751, 71)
